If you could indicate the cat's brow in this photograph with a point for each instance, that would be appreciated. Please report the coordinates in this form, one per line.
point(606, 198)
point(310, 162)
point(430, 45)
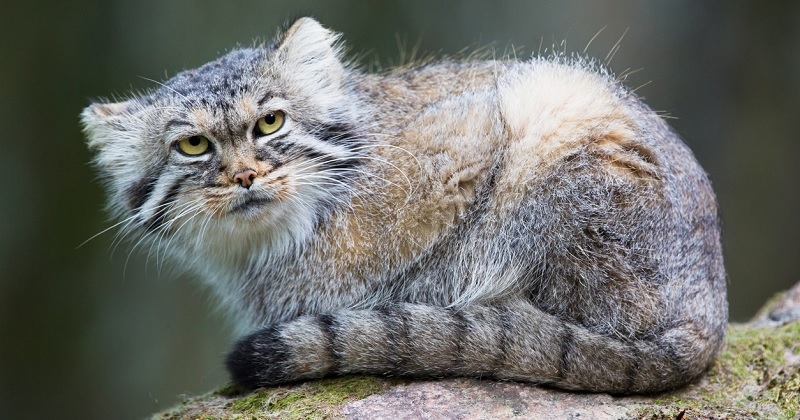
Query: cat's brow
point(176, 123)
point(264, 99)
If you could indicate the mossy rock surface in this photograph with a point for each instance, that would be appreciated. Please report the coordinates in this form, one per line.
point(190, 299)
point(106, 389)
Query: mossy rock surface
point(757, 375)
point(312, 400)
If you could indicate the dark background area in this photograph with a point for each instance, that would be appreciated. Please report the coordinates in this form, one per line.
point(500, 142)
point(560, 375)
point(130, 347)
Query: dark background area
point(90, 333)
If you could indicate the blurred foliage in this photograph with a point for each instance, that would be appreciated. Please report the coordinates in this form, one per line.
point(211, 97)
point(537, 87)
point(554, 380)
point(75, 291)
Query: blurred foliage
point(90, 333)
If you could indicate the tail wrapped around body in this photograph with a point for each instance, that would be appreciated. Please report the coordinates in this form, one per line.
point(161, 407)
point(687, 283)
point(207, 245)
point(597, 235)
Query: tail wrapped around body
point(513, 340)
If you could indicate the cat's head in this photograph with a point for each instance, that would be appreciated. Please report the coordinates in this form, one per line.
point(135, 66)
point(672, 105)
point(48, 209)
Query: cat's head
point(253, 148)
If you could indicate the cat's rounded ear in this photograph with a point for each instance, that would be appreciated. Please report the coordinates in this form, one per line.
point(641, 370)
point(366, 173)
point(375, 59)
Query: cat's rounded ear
point(311, 53)
point(107, 110)
point(101, 120)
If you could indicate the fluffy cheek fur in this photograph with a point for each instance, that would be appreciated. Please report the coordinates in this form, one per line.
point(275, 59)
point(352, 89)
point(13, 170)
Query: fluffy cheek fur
point(128, 169)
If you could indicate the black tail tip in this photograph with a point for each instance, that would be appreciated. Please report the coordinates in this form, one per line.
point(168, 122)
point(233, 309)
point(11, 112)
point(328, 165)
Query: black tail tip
point(241, 367)
point(258, 360)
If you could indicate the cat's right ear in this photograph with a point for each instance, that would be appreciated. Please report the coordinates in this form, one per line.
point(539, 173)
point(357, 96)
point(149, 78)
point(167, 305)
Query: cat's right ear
point(100, 120)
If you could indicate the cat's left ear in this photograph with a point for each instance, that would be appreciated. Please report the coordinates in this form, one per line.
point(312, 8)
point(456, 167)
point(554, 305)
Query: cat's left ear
point(311, 53)
point(107, 110)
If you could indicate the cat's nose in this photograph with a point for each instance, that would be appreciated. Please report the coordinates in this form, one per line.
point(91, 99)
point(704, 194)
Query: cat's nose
point(245, 177)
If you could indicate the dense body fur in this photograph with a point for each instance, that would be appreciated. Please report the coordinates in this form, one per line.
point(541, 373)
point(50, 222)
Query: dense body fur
point(528, 220)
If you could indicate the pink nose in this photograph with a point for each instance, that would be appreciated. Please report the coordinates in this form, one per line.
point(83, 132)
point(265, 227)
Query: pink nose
point(245, 177)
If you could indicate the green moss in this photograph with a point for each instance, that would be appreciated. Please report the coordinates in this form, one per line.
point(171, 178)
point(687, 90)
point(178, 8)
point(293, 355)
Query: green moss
point(312, 400)
point(339, 391)
point(750, 379)
point(229, 390)
point(320, 399)
point(254, 403)
point(756, 362)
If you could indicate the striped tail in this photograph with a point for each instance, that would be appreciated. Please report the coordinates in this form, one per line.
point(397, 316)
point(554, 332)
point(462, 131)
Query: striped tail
point(512, 341)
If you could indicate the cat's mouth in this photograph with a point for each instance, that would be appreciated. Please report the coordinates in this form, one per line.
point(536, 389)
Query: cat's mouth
point(250, 203)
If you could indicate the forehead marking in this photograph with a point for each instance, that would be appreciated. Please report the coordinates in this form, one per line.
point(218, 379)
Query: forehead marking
point(202, 118)
point(245, 104)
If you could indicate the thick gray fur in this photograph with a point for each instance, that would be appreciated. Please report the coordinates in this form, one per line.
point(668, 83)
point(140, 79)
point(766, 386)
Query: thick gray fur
point(529, 221)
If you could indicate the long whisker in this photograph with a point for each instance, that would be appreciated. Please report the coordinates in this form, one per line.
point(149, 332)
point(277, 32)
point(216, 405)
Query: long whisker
point(195, 208)
point(125, 221)
point(161, 232)
point(124, 229)
point(154, 236)
point(317, 162)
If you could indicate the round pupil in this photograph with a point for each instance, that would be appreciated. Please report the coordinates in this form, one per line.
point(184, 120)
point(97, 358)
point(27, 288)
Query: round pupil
point(269, 118)
point(194, 141)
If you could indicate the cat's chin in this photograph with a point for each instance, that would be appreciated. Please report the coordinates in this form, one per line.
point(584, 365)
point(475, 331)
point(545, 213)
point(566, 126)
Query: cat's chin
point(261, 218)
point(251, 206)
point(262, 227)
point(258, 203)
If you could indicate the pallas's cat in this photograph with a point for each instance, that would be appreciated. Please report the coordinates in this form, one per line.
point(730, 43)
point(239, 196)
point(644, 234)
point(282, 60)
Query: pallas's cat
point(524, 220)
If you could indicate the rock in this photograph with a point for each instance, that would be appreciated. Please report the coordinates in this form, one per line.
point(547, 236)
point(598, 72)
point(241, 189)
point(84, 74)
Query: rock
point(781, 309)
point(475, 399)
point(757, 374)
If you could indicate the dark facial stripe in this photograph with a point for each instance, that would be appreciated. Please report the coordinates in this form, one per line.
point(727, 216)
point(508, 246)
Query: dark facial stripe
point(338, 134)
point(264, 154)
point(485, 191)
point(322, 161)
point(140, 192)
point(157, 220)
point(279, 145)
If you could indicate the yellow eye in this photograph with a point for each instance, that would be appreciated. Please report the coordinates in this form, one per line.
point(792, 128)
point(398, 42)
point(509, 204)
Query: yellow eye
point(193, 146)
point(270, 123)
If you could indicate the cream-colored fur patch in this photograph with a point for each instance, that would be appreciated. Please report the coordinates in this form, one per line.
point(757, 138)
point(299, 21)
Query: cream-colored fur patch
point(550, 109)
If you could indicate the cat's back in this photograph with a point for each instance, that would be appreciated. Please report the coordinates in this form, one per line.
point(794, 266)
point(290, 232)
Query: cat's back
point(554, 160)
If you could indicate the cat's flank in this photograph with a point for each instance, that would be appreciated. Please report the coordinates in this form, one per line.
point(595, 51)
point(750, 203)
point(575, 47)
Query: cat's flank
point(521, 220)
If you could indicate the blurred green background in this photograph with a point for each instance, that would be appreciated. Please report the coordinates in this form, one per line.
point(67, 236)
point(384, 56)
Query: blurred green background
point(87, 333)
